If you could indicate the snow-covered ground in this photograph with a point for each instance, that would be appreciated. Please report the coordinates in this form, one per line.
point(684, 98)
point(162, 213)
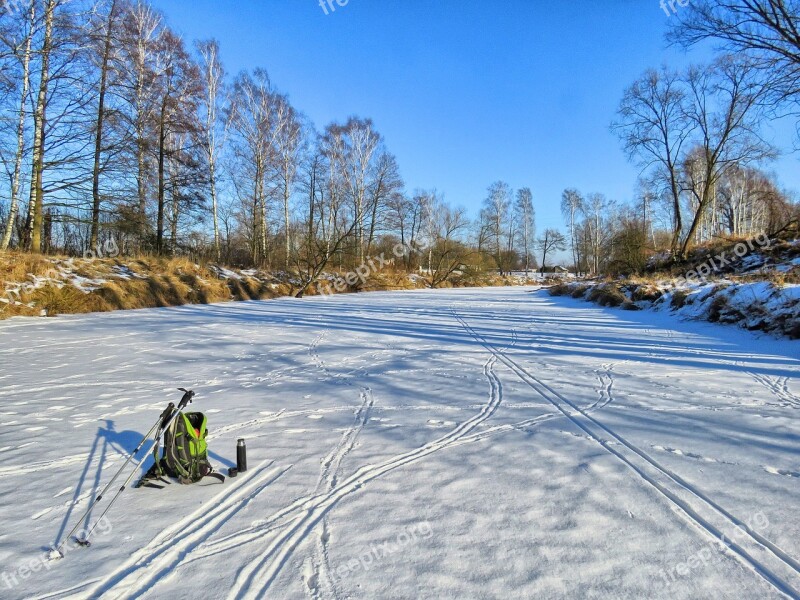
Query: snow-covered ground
point(495, 443)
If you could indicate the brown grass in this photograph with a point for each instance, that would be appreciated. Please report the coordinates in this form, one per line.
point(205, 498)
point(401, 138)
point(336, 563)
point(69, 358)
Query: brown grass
point(679, 298)
point(607, 295)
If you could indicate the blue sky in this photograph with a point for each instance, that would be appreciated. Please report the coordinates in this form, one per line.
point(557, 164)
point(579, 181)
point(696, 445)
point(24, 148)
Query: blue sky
point(465, 92)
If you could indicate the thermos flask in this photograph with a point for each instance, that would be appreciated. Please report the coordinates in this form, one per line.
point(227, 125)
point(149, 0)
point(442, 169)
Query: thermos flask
point(241, 456)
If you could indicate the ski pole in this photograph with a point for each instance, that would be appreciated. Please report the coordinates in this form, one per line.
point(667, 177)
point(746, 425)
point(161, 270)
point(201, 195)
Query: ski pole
point(187, 398)
point(164, 420)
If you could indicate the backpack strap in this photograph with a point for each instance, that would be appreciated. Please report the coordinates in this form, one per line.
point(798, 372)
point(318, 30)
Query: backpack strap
point(218, 476)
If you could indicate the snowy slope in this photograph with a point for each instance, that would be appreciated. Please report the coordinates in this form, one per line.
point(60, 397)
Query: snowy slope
point(432, 444)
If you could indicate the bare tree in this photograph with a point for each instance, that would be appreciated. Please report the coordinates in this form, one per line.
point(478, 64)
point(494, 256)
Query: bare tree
point(363, 142)
point(213, 80)
point(106, 48)
point(253, 123)
point(35, 220)
point(328, 226)
point(764, 30)
point(654, 127)
point(572, 204)
point(385, 184)
point(447, 252)
point(597, 210)
point(526, 217)
point(407, 216)
point(288, 148)
point(143, 32)
point(21, 51)
point(552, 240)
point(496, 216)
point(726, 113)
point(178, 88)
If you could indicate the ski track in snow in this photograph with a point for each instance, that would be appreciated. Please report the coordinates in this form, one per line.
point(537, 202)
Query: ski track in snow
point(301, 532)
point(757, 553)
point(255, 578)
point(779, 388)
point(319, 582)
point(164, 553)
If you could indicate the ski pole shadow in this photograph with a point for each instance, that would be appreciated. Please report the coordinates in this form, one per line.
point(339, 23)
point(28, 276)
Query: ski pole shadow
point(107, 439)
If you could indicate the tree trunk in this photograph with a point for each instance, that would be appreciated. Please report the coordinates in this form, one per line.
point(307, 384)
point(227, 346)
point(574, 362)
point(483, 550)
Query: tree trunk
point(213, 182)
point(162, 138)
point(35, 214)
point(98, 136)
point(676, 209)
point(286, 193)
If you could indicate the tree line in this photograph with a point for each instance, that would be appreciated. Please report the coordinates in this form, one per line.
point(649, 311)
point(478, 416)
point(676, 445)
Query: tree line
point(113, 127)
point(698, 136)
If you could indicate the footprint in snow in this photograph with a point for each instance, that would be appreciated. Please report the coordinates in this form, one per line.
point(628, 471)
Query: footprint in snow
point(783, 472)
point(678, 452)
point(66, 490)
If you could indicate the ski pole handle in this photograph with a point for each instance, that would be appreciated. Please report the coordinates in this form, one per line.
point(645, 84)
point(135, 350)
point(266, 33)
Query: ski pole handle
point(187, 398)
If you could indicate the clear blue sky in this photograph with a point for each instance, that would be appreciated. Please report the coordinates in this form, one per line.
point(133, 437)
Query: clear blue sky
point(465, 92)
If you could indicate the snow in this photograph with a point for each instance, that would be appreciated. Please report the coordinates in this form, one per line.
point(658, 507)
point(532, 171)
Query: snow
point(495, 443)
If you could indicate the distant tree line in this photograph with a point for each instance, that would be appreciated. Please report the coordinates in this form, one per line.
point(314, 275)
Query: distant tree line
point(113, 127)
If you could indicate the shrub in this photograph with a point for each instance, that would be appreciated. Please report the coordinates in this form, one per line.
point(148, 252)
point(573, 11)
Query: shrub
point(646, 293)
point(562, 289)
point(607, 295)
point(679, 299)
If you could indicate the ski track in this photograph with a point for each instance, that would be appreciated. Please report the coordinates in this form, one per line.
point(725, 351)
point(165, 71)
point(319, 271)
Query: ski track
point(159, 559)
point(291, 527)
point(755, 552)
point(778, 387)
point(47, 465)
point(255, 578)
point(319, 583)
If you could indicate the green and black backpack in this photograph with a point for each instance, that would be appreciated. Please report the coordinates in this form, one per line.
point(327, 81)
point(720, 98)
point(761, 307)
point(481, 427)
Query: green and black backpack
point(185, 453)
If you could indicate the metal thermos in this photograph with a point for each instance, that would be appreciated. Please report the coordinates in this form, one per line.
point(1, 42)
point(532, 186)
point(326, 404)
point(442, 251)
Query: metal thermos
point(241, 456)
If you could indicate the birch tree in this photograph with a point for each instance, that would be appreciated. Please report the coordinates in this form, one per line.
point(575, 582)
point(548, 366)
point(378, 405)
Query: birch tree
point(20, 47)
point(35, 220)
point(213, 79)
point(572, 204)
point(526, 217)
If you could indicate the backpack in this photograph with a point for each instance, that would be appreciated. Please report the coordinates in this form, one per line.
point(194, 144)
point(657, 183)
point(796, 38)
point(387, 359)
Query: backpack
point(185, 453)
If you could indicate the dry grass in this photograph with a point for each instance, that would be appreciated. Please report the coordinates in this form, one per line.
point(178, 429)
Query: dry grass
point(19, 266)
point(607, 295)
point(141, 282)
point(679, 298)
